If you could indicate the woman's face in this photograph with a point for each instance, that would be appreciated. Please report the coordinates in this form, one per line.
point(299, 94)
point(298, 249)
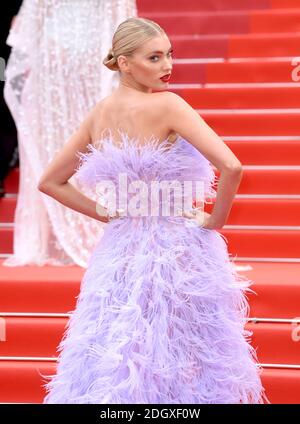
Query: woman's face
point(149, 63)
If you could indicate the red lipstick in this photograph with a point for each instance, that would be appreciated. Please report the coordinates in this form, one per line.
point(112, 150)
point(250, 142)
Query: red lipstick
point(166, 78)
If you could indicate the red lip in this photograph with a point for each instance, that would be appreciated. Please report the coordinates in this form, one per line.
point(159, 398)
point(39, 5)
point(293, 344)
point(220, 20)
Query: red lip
point(166, 78)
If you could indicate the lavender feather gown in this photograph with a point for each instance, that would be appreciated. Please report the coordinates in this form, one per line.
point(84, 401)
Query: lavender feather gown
point(161, 312)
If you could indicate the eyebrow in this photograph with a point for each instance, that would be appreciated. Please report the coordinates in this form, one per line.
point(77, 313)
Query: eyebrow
point(159, 51)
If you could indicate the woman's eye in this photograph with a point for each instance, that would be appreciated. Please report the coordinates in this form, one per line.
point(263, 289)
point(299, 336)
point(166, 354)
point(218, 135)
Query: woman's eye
point(170, 54)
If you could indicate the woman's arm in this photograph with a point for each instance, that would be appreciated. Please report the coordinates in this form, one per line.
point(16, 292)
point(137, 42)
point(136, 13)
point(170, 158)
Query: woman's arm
point(54, 181)
point(184, 120)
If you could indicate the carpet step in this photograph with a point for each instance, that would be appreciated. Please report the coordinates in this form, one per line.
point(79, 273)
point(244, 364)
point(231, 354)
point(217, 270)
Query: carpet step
point(55, 289)
point(270, 243)
point(268, 212)
point(266, 152)
point(226, 46)
point(227, 22)
point(214, 5)
point(276, 343)
point(282, 385)
point(193, 71)
point(39, 289)
point(22, 382)
point(246, 96)
point(269, 180)
point(7, 208)
point(263, 243)
point(245, 211)
point(40, 336)
point(255, 180)
point(277, 290)
point(256, 123)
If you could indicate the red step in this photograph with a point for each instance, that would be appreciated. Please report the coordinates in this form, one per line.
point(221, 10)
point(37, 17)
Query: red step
point(212, 5)
point(40, 336)
point(54, 289)
point(244, 211)
point(21, 382)
point(276, 343)
point(11, 182)
point(264, 45)
point(263, 243)
point(282, 385)
point(277, 289)
point(284, 20)
point(266, 152)
point(227, 22)
point(46, 289)
point(256, 70)
point(246, 96)
point(260, 181)
point(7, 208)
point(204, 5)
point(263, 211)
point(241, 242)
point(197, 23)
point(32, 336)
point(237, 71)
point(6, 237)
point(235, 45)
point(284, 4)
point(237, 123)
point(269, 181)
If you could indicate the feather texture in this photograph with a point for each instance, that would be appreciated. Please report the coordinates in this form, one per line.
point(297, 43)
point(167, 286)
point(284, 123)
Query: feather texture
point(161, 312)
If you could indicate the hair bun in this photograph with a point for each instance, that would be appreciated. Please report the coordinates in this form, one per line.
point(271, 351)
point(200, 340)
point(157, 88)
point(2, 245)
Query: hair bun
point(111, 53)
point(110, 61)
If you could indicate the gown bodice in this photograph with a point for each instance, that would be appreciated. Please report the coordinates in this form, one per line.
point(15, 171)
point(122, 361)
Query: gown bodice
point(159, 172)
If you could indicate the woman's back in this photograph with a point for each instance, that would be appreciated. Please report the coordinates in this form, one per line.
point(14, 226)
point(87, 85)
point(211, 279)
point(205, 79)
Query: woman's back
point(140, 116)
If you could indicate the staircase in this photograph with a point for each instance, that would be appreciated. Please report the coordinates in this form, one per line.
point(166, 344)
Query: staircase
point(236, 64)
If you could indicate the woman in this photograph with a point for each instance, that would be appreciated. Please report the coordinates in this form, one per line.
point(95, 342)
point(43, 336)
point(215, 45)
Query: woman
point(54, 76)
point(161, 312)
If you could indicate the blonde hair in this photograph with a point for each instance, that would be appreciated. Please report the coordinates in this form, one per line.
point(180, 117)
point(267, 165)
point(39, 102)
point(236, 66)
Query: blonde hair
point(128, 37)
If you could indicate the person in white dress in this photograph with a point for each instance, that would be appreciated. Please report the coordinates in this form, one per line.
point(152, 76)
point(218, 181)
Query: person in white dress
point(54, 76)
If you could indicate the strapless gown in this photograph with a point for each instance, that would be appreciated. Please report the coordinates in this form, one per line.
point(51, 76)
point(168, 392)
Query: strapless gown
point(161, 312)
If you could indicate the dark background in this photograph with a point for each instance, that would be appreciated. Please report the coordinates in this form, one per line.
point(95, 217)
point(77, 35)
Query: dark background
point(8, 134)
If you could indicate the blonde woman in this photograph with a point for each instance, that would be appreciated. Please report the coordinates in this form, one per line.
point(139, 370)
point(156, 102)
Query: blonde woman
point(54, 76)
point(161, 312)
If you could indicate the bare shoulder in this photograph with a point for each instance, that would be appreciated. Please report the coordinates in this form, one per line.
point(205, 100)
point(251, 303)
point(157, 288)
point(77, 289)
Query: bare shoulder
point(172, 99)
point(171, 102)
point(162, 103)
point(175, 111)
point(93, 115)
point(98, 107)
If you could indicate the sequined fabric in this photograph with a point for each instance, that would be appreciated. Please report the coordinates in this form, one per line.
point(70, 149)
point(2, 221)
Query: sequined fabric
point(54, 76)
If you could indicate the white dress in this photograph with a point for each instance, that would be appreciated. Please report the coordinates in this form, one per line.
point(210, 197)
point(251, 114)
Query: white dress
point(54, 76)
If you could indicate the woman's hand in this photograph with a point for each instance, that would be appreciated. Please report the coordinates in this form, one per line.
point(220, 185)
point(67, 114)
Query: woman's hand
point(203, 219)
point(104, 213)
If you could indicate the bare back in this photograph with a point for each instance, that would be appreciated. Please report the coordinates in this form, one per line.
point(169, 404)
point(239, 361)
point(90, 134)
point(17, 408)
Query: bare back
point(139, 116)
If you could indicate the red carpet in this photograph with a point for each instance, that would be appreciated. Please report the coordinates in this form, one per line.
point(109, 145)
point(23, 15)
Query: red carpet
point(233, 64)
